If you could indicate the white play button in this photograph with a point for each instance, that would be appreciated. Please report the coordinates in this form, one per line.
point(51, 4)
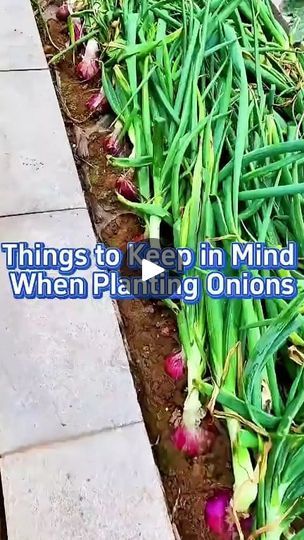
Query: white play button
point(150, 270)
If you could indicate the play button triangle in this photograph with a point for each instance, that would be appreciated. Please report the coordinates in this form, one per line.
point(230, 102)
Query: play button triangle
point(150, 270)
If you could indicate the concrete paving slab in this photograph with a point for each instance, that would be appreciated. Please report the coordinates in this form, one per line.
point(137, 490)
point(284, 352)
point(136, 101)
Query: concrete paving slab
point(37, 169)
point(104, 487)
point(64, 369)
point(277, 4)
point(280, 15)
point(20, 45)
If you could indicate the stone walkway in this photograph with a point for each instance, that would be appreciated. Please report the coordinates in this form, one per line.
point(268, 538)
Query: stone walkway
point(76, 462)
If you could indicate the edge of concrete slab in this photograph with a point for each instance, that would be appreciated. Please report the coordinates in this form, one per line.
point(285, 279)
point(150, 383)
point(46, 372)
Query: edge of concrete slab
point(36, 480)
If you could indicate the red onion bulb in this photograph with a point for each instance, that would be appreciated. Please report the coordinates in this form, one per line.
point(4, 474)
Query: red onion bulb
point(217, 513)
point(126, 188)
point(78, 29)
point(63, 12)
point(175, 365)
point(219, 517)
point(98, 103)
point(193, 442)
point(89, 65)
point(111, 144)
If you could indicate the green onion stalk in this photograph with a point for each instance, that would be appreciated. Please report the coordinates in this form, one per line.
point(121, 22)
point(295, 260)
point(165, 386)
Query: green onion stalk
point(222, 320)
point(245, 477)
point(281, 491)
point(191, 437)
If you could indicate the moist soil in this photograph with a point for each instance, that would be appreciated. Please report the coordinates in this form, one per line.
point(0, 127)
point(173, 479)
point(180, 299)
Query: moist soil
point(148, 327)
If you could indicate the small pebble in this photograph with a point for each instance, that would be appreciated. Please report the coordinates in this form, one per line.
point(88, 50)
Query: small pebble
point(48, 49)
point(166, 331)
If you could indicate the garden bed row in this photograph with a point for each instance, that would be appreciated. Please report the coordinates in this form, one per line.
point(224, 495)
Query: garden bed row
point(149, 327)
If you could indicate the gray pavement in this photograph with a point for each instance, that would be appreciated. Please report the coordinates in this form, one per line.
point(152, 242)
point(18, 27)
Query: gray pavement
point(76, 461)
point(20, 45)
point(38, 172)
point(86, 489)
point(64, 371)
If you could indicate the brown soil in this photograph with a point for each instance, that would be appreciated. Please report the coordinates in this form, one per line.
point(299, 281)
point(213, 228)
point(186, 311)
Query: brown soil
point(149, 327)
